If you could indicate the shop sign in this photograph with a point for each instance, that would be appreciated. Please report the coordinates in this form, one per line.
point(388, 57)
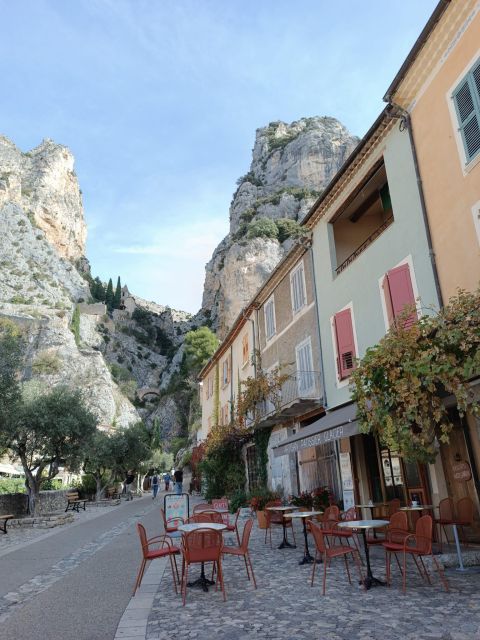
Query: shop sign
point(461, 471)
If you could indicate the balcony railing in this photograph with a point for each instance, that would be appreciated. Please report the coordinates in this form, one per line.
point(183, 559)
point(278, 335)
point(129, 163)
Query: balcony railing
point(301, 392)
point(364, 245)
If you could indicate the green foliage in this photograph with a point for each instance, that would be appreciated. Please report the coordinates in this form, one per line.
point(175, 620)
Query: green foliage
point(120, 374)
point(117, 296)
point(12, 351)
point(176, 444)
point(237, 500)
point(109, 296)
point(200, 345)
point(128, 388)
point(75, 325)
point(88, 486)
point(46, 363)
point(278, 141)
point(97, 289)
point(288, 228)
point(261, 438)
point(131, 447)
point(262, 228)
point(259, 497)
point(400, 383)
point(12, 485)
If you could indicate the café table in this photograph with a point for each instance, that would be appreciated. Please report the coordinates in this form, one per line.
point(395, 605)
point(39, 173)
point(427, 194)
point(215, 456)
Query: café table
point(363, 526)
point(415, 509)
point(304, 515)
point(202, 582)
point(371, 506)
point(283, 510)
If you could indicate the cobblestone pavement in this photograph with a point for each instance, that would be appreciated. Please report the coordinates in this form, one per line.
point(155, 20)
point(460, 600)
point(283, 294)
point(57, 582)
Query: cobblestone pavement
point(285, 606)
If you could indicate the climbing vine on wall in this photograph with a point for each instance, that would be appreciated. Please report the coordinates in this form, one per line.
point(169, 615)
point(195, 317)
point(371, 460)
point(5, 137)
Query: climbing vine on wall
point(400, 383)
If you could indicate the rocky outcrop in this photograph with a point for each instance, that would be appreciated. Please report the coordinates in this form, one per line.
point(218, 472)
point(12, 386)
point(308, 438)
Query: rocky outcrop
point(291, 164)
point(43, 183)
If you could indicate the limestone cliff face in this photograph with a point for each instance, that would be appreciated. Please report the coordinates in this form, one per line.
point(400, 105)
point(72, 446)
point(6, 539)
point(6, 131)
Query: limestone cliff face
point(291, 164)
point(43, 183)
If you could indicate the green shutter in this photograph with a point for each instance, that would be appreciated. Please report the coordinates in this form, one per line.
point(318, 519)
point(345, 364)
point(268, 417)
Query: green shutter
point(466, 98)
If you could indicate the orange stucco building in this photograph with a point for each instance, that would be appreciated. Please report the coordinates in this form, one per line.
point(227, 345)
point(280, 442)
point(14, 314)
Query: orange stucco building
point(439, 88)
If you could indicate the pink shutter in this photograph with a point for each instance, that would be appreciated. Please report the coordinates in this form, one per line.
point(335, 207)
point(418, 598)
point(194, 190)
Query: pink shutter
point(388, 301)
point(345, 343)
point(401, 291)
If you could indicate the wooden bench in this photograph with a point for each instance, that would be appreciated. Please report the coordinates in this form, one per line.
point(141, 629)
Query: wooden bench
point(3, 522)
point(74, 502)
point(112, 494)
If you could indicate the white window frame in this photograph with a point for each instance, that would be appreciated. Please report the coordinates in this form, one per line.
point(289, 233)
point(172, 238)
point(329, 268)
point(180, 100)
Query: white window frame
point(268, 303)
point(303, 293)
point(301, 345)
point(466, 165)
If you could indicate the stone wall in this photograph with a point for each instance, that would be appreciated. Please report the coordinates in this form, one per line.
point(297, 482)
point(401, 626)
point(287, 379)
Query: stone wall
point(17, 503)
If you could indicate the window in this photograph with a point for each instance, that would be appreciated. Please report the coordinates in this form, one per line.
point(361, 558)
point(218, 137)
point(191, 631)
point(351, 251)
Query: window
point(269, 311)
point(466, 99)
point(345, 343)
point(297, 286)
point(226, 371)
point(398, 293)
point(305, 375)
point(245, 349)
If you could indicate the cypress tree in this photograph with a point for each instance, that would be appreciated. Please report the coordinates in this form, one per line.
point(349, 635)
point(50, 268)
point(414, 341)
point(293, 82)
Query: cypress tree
point(117, 298)
point(98, 290)
point(109, 296)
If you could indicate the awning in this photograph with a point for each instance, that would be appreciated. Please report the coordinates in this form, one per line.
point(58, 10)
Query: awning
point(10, 469)
point(339, 423)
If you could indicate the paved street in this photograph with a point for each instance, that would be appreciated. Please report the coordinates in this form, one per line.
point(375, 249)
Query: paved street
point(75, 583)
point(72, 582)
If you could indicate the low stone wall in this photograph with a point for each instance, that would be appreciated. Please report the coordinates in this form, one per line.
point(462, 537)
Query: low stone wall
point(48, 501)
point(42, 522)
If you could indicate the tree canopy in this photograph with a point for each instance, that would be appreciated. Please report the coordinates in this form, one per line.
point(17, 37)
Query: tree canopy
point(200, 345)
point(11, 362)
point(401, 383)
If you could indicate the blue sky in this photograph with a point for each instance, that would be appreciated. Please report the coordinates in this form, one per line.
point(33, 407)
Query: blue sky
point(159, 101)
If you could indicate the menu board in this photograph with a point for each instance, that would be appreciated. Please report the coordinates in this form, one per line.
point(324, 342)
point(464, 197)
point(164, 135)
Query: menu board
point(176, 506)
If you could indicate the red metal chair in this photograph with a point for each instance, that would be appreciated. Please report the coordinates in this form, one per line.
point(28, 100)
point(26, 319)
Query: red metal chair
point(332, 528)
point(398, 526)
point(242, 549)
point(274, 519)
point(171, 525)
point(165, 548)
point(202, 507)
point(445, 518)
point(207, 516)
point(418, 545)
point(464, 516)
point(198, 547)
point(393, 506)
point(329, 552)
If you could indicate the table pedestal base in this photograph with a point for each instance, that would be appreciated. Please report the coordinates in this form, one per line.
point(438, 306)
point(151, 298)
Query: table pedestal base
point(202, 582)
point(287, 545)
point(370, 582)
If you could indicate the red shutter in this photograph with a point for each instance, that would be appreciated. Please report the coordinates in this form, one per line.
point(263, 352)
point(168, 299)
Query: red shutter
point(388, 301)
point(401, 291)
point(345, 343)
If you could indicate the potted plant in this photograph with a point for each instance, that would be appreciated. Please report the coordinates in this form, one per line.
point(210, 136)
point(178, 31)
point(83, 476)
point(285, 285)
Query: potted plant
point(258, 500)
point(304, 501)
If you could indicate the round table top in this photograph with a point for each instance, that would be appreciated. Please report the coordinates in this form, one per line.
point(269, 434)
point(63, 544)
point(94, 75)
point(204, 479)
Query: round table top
point(282, 508)
point(419, 507)
point(363, 524)
point(303, 514)
point(193, 526)
point(370, 506)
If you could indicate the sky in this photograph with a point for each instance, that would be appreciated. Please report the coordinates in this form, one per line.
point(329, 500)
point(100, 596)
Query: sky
point(159, 101)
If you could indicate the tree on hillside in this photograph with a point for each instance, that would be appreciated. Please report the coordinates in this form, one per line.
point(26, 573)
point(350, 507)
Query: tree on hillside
point(131, 447)
point(109, 295)
point(12, 348)
point(50, 430)
point(97, 290)
point(200, 345)
point(117, 296)
point(99, 461)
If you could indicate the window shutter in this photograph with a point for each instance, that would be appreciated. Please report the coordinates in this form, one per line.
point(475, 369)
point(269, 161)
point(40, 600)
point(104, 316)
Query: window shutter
point(298, 292)
point(229, 369)
point(401, 291)
point(388, 301)
point(305, 375)
point(467, 103)
point(345, 343)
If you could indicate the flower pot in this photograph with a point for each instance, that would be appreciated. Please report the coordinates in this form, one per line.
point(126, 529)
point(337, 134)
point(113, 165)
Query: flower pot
point(261, 519)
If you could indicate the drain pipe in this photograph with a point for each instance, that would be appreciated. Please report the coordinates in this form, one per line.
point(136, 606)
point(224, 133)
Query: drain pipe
point(406, 123)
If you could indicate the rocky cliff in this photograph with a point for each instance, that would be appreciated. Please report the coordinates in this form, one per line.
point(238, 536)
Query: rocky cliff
point(291, 164)
point(127, 362)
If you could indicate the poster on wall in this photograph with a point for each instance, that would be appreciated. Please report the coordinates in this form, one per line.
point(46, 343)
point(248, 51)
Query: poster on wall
point(346, 472)
point(348, 500)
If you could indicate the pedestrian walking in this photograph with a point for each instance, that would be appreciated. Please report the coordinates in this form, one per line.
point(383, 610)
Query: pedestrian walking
point(130, 477)
point(178, 477)
point(167, 479)
point(155, 485)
